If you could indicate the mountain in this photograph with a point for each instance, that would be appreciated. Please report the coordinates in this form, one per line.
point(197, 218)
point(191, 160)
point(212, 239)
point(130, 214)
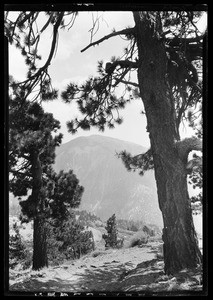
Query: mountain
point(108, 187)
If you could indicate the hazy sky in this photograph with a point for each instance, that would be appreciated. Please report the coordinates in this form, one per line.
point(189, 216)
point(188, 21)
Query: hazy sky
point(69, 65)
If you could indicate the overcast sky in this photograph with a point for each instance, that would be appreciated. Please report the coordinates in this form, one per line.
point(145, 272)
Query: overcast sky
point(69, 65)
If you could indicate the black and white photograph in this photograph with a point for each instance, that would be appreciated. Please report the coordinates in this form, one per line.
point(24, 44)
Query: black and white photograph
point(105, 126)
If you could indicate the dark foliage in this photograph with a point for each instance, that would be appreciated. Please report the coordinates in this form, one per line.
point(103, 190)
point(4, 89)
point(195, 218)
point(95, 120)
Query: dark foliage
point(69, 240)
point(18, 252)
point(142, 162)
point(111, 239)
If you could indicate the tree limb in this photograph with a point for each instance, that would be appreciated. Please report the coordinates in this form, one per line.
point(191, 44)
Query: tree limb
point(176, 41)
point(106, 37)
point(194, 164)
point(55, 31)
point(187, 145)
point(129, 82)
point(142, 162)
point(47, 23)
point(123, 64)
point(17, 172)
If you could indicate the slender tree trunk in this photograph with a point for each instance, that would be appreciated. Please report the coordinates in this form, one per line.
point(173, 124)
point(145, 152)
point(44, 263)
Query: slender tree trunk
point(39, 244)
point(39, 229)
point(179, 236)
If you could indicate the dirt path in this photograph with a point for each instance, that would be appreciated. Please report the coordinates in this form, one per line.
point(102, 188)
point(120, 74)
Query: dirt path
point(121, 270)
point(100, 273)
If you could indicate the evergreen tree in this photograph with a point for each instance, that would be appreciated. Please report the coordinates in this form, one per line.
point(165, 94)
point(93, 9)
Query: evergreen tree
point(110, 238)
point(31, 153)
point(31, 141)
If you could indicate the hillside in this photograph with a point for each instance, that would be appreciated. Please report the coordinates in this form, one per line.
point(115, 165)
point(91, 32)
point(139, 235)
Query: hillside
point(109, 187)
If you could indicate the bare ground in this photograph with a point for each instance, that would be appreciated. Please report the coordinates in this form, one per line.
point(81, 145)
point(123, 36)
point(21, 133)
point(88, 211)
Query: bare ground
point(123, 270)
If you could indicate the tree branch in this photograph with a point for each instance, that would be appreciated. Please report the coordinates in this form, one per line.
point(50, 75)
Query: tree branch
point(176, 41)
point(55, 31)
point(129, 82)
point(142, 162)
point(110, 67)
point(106, 37)
point(15, 172)
point(187, 145)
point(194, 164)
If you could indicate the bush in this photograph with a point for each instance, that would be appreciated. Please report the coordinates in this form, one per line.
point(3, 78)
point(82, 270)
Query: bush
point(69, 241)
point(138, 239)
point(131, 225)
point(148, 230)
point(120, 242)
point(18, 252)
point(97, 253)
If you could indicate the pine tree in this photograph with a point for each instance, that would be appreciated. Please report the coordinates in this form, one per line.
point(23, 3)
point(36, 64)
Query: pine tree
point(110, 238)
point(31, 141)
point(165, 49)
point(31, 154)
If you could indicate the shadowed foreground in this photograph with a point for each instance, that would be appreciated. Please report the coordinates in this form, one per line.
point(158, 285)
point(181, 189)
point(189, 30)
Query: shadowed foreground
point(135, 269)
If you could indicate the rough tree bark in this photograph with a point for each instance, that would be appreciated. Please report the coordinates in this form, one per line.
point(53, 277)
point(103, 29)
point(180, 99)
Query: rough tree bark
point(180, 241)
point(39, 227)
point(39, 244)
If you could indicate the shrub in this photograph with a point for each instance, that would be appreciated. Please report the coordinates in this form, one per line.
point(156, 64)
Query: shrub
point(148, 230)
point(140, 238)
point(97, 253)
point(132, 227)
point(69, 241)
point(120, 242)
point(18, 252)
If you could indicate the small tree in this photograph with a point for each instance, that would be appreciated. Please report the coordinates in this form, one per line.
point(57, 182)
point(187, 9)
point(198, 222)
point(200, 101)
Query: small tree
point(110, 238)
point(69, 241)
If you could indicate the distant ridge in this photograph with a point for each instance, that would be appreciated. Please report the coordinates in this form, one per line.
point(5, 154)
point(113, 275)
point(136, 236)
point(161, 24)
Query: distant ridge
point(109, 187)
point(98, 136)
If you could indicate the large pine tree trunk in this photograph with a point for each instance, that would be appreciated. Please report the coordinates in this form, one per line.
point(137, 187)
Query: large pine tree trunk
point(179, 236)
